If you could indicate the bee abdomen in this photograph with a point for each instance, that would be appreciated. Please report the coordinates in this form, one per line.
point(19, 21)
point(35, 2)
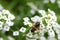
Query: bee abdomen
point(33, 29)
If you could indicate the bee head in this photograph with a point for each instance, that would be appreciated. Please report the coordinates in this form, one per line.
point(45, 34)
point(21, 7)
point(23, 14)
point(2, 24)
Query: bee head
point(37, 24)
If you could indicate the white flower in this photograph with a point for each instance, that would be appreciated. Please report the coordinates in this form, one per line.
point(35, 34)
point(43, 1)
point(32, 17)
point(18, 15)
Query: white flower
point(52, 1)
point(10, 38)
point(22, 29)
point(42, 12)
point(51, 33)
point(36, 36)
point(58, 37)
point(42, 38)
point(58, 34)
point(58, 2)
point(32, 11)
point(32, 5)
point(15, 33)
point(10, 23)
point(4, 17)
point(1, 27)
point(41, 32)
point(26, 22)
point(49, 27)
point(6, 28)
point(11, 17)
point(42, 25)
point(36, 19)
point(1, 23)
point(0, 12)
point(26, 19)
point(29, 35)
point(5, 11)
point(56, 25)
point(1, 8)
point(30, 24)
point(45, 1)
point(1, 38)
point(51, 38)
point(52, 14)
point(52, 17)
point(1, 16)
point(57, 31)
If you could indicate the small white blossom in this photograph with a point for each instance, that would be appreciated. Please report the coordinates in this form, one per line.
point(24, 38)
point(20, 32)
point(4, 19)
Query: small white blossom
point(51, 38)
point(1, 8)
point(58, 2)
point(32, 5)
point(32, 11)
point(29, 35)
point(51, 12)
point(1, 16)
point(52, 15)
point(42, 38)
point(51, 33)
point(48, 27)
point(30, 24)
point(52, 1)
point(41, 32)
point(10, 38)
point(5, 11)
point(10, 23)
point(45, 1)
point(26, 19)
point(15, 33)
point(35, 19)
point(42, 12)
point(1, 38)
point(11, 17)
point(22, 29)
point(6, 28)
point(1, 23)
point(1, 27)
point(58, 37)
point(26, 22)
point(36, 36)
point(4, 17)
point(0, 12)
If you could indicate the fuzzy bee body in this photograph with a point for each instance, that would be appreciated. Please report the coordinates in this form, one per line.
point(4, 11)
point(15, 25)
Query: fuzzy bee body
point(35, 27)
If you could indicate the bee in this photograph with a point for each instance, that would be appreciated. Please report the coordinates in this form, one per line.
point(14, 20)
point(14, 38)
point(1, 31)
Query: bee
point(35, 27)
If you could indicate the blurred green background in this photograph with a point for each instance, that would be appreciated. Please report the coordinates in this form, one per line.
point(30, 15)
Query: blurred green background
point(20, 9)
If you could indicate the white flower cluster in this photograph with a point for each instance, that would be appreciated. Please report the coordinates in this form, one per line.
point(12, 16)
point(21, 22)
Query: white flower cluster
point(6, 19)
point(51, 25)
point(52, 1)
point(47, 1)
point(22, 29)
